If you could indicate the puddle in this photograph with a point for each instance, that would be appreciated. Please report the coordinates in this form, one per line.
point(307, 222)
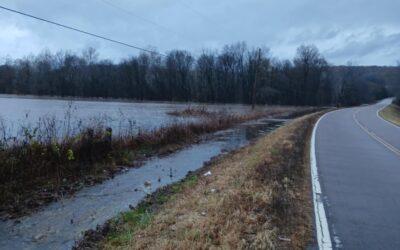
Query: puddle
point(58, 225)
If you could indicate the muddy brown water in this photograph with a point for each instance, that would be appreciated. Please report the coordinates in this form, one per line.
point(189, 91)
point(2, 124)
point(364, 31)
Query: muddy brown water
point(60, 224)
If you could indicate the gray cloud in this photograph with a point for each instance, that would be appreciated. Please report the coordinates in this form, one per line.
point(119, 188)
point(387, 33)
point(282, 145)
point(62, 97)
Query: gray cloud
point(377, 46)
point(365, 31)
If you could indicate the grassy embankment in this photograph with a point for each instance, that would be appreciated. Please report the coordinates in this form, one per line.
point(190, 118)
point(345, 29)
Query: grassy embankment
point(258, 197)
point(391, 113)
point(39, 168)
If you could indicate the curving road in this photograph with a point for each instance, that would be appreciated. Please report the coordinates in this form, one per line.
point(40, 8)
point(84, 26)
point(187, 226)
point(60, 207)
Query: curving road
point(358, 160)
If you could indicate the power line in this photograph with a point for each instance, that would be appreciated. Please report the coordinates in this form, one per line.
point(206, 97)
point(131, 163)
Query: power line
point(136, 16)
point(81, 31)
point(160, 26)
point(195, 11)
point(204, 17)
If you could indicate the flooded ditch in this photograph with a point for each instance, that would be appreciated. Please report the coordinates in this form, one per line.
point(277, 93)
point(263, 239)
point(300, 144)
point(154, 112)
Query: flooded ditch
point(60, 224)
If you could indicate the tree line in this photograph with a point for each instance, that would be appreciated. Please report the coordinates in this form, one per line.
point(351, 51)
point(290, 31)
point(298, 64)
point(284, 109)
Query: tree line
point(236, 74)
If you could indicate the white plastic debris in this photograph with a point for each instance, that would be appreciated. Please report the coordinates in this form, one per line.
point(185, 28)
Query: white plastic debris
point(208, 173)
point(284, 239)
point(39, 237)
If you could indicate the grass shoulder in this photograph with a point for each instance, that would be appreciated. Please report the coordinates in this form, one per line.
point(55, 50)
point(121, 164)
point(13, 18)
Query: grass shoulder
point(255, 197)
point(391, 113)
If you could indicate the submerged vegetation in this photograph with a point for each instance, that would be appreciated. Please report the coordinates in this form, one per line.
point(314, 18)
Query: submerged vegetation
point(40, 166)
point(254, 198)
point(192, 111)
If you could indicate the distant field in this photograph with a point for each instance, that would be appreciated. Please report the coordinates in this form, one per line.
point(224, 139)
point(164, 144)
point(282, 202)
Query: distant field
point(391, 113)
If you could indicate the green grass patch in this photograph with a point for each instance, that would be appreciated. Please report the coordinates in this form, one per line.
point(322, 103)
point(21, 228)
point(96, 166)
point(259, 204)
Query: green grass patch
point(129, 222)
point(189, 181)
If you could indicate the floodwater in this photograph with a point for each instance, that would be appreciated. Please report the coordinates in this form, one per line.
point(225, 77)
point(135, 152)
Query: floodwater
point(51, 228)
point(16, 111)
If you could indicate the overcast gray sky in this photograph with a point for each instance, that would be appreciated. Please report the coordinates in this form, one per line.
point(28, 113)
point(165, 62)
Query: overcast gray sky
point(366, 32)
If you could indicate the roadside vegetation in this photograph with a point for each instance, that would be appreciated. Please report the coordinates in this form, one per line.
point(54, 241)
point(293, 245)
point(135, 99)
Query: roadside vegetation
point(391, 113)
point(40, 167)
point(257, 197)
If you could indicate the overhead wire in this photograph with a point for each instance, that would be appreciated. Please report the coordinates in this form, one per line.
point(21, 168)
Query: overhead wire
point(81, 31)
point(131, 13)
point(147, 20)
point(206, 18)
point(195, 11)
point(97, 36)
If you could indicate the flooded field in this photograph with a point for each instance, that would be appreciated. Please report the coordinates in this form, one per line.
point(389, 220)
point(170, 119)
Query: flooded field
point(72, 115)
point(58, 225)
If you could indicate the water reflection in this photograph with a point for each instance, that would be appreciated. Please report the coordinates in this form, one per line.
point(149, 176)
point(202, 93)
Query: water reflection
point(51, 228)
point(70, 115)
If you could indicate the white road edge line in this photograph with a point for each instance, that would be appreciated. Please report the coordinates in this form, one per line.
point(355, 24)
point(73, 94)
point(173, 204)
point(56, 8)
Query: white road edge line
point(380, 117)
point(321, 222)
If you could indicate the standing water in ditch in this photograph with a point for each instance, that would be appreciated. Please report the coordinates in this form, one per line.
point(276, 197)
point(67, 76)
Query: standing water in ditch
point(60, 224)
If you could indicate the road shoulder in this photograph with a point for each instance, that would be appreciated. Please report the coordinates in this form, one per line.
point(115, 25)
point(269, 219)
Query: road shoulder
point(391, 113)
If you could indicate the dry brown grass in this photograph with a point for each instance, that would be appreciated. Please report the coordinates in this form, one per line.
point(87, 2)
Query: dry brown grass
point(256, 198)
point(192, 111)
point(392, 114)
point(267, 111)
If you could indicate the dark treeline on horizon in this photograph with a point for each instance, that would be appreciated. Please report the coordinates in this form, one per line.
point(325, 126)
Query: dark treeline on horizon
point(227, 76)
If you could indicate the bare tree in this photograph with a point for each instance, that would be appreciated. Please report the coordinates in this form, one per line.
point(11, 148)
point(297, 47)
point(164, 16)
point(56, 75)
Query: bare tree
point(234, 75)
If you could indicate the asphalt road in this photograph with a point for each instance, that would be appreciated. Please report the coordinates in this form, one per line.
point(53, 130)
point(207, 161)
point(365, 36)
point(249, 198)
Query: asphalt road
point(358, 161)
